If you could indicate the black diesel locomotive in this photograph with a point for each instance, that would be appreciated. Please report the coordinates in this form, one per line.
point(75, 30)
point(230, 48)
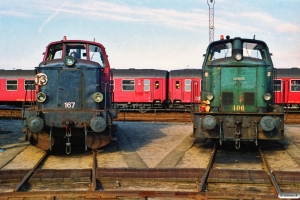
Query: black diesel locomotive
point(73, 103)
point(238, 94)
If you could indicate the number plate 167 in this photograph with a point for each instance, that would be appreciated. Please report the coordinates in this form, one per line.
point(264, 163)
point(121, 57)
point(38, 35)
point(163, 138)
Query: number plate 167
point(69, 104)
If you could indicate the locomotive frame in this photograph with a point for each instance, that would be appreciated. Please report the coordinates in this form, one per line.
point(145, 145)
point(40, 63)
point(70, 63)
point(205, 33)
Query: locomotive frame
point(73, 99)
point(238, 94)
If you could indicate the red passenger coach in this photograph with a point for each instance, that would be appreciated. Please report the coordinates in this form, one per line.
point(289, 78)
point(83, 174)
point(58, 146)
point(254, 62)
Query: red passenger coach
point(139, 88)
point(17, 86)
point(287, 87)
point(185, 87)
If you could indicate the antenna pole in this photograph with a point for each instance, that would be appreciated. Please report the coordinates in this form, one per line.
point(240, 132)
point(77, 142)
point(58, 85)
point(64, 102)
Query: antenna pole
point(211, 4)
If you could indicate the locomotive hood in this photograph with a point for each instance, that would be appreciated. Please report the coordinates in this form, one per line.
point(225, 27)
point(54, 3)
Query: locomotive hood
point(79, 63)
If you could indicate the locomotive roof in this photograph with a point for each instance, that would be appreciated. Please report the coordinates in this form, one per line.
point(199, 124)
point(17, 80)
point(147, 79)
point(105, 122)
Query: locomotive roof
point(76, 41)
point(139, 73)
point(232, 39)
point(186, 73)
point(17, 73)
point(288, 72)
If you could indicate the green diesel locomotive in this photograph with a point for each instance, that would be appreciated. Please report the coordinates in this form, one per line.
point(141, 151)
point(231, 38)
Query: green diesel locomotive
point(237, 99)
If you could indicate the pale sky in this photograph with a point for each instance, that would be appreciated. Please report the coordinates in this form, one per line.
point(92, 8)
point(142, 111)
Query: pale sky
point(153, 34)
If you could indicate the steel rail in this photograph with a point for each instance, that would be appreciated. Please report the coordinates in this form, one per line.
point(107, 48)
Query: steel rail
point(94, 169)
point(269, 172)
point(207, 170)
point(29, 174)
point(134, 195)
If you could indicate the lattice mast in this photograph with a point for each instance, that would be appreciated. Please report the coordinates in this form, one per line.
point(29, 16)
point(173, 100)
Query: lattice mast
point(211, 4)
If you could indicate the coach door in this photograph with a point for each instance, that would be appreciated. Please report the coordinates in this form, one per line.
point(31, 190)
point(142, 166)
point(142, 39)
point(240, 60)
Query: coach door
point(147, 91)
point(176, 87)
point(195, 92)
point(279, 91)
point(157, 89)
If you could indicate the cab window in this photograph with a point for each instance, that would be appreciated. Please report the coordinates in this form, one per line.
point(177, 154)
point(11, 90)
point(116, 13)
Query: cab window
point(54, 52)
point(96, 55)
point(76, 50)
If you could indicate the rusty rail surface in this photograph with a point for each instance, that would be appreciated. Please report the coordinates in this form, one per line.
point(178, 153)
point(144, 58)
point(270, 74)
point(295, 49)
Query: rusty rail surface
point(46, 176)
point(10, 113)
point(29, 174)
point(207, 170)
point(155, 116)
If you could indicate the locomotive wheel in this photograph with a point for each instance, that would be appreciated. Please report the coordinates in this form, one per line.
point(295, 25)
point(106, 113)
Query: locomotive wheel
point(40, 140)
point(97, 140)
point(94, 140)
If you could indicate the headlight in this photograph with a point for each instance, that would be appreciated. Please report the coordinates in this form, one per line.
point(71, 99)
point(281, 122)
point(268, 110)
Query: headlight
point(209, 122)
point(35, 124)
point(41, 79)
point(238, 57)
point(69, 61)
point(209, 96)
point(41, 97)
point(267, 96)
point(97, 97)
point(267, 123)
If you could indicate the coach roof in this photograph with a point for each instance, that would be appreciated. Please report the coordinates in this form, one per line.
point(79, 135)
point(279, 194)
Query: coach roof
point(288, 72)
point(139, 73)
point(17, 73)
point(186, 73)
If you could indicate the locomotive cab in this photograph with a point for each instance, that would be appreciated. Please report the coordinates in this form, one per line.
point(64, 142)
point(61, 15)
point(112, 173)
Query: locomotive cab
point(74, 96)
point(237, 94)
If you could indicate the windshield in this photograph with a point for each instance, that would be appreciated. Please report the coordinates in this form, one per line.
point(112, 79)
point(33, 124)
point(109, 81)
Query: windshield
point(253, 50)
point(76, 50)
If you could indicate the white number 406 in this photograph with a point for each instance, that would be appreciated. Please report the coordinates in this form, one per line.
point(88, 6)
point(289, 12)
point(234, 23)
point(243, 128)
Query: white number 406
point(69, 104)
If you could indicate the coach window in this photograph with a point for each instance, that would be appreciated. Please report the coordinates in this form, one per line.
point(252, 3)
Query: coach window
point(29, 85)
point(156, 85)
point(187, 85)
point(112, 85)
point(146, 85)
point(11, 85)
point(295, 85)
point(128, 85)
point(177, 85)
point(277, 85)
point(96, 55)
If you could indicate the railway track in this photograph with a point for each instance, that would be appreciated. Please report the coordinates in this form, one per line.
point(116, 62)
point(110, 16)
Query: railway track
point(291, 117)
point(217, 180)
point(250, 178)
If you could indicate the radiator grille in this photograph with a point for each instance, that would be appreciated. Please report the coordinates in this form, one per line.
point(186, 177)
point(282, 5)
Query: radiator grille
point(249, 98)
point(227, 98)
